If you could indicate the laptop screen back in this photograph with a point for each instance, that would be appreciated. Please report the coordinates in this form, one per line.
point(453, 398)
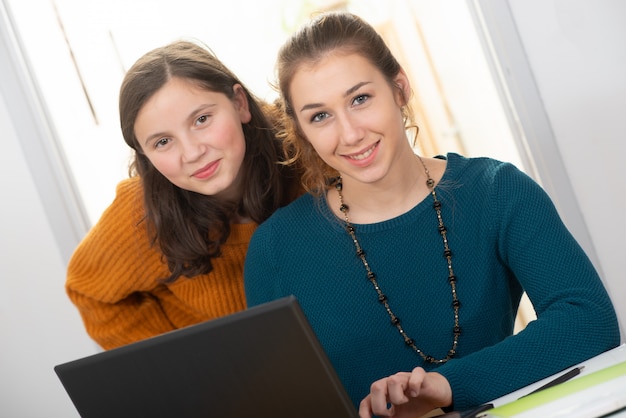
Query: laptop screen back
point(262, 362)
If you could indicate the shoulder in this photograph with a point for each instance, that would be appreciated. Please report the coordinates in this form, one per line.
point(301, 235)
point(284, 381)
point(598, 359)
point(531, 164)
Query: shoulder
point(297, 215)
point(301, 206)
point(501, 186)
point(127, 204)
point(481, 170)
point(120, 228)
point(130, 184)
point(120, 235)
point(130, 188)
point(460, 163)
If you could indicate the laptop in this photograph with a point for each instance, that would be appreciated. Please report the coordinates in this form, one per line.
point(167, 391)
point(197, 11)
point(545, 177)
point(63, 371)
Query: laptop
point(262, 362)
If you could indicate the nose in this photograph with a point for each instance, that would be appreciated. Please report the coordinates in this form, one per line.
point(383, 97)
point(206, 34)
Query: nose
point(191, 149)
point(350, 129)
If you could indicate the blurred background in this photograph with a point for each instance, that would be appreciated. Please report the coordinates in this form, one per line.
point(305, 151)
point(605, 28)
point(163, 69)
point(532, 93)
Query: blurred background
point(79, 51)
point(538, 83)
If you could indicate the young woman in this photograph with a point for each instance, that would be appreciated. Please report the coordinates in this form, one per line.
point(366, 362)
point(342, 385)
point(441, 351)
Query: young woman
point(168, 252)
point(410, 264)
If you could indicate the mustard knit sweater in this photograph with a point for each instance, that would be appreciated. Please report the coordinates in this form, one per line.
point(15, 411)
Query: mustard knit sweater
point(112, 277)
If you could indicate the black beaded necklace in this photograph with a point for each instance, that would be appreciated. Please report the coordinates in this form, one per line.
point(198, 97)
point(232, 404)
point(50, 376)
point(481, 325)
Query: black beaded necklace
point(382, 298)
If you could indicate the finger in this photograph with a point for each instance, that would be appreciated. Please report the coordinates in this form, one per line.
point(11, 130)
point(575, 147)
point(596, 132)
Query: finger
point(397, 386)
point(378, 399)
point(365, 408)
point(416, 382)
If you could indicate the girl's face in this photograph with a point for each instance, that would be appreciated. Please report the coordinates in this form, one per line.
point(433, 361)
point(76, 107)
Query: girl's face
point(351, 115)
point(194, 137)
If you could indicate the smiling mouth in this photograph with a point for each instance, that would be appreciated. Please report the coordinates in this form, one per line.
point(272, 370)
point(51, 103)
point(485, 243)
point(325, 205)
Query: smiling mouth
point(205, 171)
point(363, 155)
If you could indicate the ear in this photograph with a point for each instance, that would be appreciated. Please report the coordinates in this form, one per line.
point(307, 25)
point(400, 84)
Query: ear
point(401, 81)
point(240, 100)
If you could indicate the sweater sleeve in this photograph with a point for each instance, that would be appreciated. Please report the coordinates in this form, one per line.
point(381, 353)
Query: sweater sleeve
point(575, 317)
point(112, 275)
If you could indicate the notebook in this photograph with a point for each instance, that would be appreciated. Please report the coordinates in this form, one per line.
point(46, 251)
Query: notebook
point(598, 394)
point(262, 362)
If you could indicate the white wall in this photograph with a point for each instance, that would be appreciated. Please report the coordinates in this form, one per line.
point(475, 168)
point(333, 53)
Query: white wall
point(39, 328)
point(40, 223)
point(576, 55)
point(563, 63)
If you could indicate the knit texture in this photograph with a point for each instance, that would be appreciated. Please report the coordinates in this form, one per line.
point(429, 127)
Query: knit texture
point(113, 277)
point(506, 237)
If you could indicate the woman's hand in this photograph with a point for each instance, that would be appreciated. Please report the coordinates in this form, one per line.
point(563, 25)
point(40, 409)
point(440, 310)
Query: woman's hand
point(408, 394)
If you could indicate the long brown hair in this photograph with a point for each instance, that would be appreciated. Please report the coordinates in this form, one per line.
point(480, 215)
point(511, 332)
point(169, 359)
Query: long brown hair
point(190, 227)
point(331, 32)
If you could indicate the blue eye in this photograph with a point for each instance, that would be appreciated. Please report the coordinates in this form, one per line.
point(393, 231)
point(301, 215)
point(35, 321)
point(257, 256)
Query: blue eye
point(318, 117)
point(360, 99)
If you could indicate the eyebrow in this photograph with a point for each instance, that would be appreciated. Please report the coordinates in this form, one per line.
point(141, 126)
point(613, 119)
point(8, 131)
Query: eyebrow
point(347, 93)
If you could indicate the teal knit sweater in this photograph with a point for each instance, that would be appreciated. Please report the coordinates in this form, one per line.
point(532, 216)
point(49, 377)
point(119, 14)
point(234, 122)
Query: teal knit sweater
point(506, 237)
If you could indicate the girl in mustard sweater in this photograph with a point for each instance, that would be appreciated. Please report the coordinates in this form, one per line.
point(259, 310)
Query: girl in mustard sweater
point(168, 252)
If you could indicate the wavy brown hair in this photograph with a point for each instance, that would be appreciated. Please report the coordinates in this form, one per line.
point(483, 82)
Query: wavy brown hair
point(328, 33)
point(190, 227)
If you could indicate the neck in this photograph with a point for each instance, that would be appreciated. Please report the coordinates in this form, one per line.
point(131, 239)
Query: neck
point(397, 193)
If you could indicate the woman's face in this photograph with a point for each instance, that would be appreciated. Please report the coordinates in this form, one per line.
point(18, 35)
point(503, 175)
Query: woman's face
point(194, 137)
point(351, 115)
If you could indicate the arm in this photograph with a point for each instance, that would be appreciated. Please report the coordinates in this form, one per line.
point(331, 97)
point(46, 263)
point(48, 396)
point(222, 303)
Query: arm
point(518, 233)
point(576, 319)
point(131, 319)
point(112, 275)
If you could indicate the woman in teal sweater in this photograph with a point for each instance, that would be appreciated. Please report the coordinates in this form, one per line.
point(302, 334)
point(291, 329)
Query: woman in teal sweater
point(411, 264)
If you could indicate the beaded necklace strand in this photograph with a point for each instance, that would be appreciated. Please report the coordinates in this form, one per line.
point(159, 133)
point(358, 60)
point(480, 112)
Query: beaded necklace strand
point(382, 298)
